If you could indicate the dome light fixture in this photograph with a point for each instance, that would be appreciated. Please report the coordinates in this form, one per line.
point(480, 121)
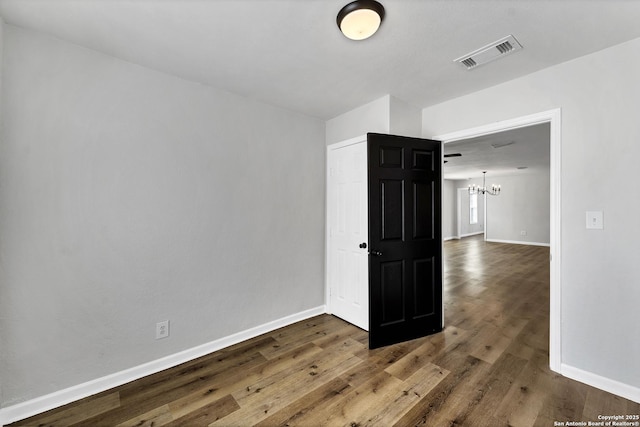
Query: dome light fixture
point(360, 19)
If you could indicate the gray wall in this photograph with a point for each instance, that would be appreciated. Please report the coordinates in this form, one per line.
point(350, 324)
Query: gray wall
point(128, 197)
point(2, 318)
point(523, 205)
point(599, 95)
point(449, 206)
point(450, 209)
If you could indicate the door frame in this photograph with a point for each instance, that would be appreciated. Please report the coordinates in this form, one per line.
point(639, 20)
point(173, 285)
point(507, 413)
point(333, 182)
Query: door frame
point(330, 147)
point(554, 118)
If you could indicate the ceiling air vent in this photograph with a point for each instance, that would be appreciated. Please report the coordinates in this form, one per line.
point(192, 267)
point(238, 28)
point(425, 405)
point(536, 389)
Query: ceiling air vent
point(490, 52)
point(505, 47)
point(502, 144)
point(469, 63)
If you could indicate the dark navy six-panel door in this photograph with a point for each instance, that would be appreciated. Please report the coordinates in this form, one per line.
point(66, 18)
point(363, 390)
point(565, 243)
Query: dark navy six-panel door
point(405, 258)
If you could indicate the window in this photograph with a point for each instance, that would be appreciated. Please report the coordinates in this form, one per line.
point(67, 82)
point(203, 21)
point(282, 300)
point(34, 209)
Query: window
point(473, 208)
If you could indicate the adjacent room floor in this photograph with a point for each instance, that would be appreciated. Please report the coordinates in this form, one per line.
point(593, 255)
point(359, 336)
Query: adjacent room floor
point(488, 368)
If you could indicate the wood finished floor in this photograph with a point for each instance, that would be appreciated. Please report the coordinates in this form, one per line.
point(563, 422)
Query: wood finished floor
point(488, 368)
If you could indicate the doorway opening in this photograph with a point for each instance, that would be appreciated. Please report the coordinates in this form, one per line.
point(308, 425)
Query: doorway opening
point(553, 119)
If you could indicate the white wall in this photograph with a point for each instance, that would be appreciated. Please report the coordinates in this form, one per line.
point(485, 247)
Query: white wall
point(404, 119)
point(523, 205)
point(599, 95)
point(387, 114)
point(128, 197)
point(371, 117)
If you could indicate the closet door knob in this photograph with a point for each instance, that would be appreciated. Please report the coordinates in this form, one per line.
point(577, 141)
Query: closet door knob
point(363, 246)
point(375, 253)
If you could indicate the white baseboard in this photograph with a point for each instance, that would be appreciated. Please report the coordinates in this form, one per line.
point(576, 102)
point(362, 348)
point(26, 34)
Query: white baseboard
point(462, 236)
point(518, 242)
point(620, 389)
point(475, 233)
point(44, 403)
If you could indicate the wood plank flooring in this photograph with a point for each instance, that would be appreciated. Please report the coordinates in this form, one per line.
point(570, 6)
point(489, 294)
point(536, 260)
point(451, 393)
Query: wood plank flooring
point(489, 367)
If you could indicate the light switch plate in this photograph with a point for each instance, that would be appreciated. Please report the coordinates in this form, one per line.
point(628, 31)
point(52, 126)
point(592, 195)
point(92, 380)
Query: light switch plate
point(595, 220)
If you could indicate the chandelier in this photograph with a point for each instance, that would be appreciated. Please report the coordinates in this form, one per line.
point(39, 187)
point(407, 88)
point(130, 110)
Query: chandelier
point(493, 191)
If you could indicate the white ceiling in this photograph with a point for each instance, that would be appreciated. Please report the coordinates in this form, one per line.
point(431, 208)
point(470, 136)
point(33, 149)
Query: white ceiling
point(500, 154)
point(290, 53)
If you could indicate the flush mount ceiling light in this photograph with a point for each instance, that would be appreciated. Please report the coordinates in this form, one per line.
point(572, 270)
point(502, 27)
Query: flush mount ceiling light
point(360, 19)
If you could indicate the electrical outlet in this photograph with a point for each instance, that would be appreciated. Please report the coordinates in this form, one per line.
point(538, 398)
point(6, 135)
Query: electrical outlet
point(523, 232)
point(162, 329)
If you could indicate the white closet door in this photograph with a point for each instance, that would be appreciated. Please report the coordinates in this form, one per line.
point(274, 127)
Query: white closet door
point(347, 232)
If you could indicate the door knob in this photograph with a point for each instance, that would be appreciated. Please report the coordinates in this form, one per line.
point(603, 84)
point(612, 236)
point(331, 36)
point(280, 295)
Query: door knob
point(363, 245)
point(375, 253)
